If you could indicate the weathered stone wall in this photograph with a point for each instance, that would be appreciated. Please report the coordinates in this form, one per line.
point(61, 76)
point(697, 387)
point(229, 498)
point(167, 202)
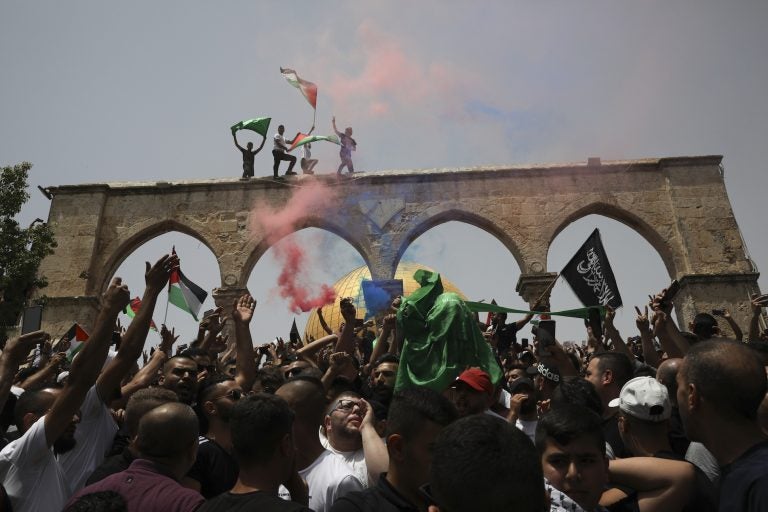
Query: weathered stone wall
point(679, 205)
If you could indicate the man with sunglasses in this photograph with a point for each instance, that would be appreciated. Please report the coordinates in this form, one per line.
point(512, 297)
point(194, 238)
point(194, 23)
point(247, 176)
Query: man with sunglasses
point(416, 417)
point(215, 470)
point(327, 475)
point(350, 432)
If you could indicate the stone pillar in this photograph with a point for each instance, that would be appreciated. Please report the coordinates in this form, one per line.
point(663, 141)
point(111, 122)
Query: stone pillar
point(59, 313)
point(701, 293)
point(224, 298)
point(531, 286)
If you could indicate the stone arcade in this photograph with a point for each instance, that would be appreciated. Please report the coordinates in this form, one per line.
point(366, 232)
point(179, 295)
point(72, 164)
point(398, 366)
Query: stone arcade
point(679, 205)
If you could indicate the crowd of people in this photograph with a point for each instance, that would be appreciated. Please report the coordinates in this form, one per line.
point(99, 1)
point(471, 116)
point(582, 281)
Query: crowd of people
point(673, 421)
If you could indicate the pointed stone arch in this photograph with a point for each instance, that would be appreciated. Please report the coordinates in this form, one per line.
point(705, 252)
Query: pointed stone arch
point(449, 213)
point(256, 249)
point(629, 219)
point(113, 258)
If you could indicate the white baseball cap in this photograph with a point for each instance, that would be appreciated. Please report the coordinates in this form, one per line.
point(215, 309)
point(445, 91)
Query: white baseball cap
point(644, 398)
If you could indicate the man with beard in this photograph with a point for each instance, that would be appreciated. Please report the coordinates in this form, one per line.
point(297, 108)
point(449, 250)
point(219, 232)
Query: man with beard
point(720, 386)
point(522, 410)
point(215, 470)
point(180, 376)
point(472, 393)
point(417, 416)
point(327, 475)
point(33, 476)
point(350, 432)
point(383, 378)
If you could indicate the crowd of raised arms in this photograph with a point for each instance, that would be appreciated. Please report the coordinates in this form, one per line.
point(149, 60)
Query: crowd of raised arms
point(673, 420)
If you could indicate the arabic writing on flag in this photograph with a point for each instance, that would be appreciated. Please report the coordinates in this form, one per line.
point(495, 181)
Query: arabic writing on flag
point(590, 276)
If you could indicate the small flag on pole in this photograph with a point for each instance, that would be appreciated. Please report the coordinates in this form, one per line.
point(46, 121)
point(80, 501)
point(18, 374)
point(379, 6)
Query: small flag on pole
point(75, 336)
point(259, 125)
point(590, 275)
point(133, 308)
point(183, 293)
point(308, 89)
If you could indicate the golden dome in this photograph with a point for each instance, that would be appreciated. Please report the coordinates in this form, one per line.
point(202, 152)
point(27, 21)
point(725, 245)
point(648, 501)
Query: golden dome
point(349, 286)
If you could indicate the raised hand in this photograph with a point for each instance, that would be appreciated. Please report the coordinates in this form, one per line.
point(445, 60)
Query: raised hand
point(659, 318)
point(17, 349)
point(167, 339)
point(243, 308)
point(116, 297)
point(156, 276)
point(348, 311)
point(219, 344)
point(58, 358)
point(339, 360)
point(642, 322)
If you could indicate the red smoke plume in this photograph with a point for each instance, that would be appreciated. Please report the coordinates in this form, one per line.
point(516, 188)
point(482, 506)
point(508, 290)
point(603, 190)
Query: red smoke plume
point(277, 226)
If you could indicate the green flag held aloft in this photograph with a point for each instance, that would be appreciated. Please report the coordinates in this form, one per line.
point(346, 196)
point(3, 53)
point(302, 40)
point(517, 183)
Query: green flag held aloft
point(442, 338)
point(259, 125)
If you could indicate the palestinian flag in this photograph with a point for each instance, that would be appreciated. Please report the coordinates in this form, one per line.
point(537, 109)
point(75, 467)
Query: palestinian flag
point(308, 89)
point(184, 294)
point(259, 125)
point(303, 138)
point(76, 336)
point(133, 308)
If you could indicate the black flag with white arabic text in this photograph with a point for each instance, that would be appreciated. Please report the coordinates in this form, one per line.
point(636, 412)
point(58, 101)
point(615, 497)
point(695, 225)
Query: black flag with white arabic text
point(590, 276)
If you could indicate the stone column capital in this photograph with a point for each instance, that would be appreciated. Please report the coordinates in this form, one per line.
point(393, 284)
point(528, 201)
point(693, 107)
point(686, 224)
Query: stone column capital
point(532, 286)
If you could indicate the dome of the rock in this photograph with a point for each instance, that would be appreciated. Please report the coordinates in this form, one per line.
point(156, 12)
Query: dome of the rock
point(349, 286)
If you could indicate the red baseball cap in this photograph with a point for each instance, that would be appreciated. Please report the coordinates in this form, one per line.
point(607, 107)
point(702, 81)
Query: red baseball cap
point(477, 379)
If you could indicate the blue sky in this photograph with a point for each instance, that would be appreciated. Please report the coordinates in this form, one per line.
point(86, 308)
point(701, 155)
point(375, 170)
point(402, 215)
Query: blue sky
point(97, 91)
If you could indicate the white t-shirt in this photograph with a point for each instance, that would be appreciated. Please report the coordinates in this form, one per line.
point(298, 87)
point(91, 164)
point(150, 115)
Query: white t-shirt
point(355, 459)
point(95, 434)
point(280, 144)
point(31, 475)
point(27, 464)
point(305, 151)
point(328, 479)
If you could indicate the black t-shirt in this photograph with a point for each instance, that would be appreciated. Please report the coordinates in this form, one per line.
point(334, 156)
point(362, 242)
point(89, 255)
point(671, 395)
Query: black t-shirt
point(214, 468)
point(744, 482)
point(506, 335)
point(253, 501)
point(382, 498)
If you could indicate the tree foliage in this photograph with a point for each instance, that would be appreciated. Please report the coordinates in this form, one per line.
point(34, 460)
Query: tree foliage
point(21, 249)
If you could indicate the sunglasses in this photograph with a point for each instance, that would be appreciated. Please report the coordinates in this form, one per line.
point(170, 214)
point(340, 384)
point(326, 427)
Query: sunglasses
point(233, 394)
point(346, 405)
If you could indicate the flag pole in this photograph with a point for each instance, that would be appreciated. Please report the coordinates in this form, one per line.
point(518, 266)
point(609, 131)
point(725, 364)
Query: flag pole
point(167, 301)
point(548, 289)
point(314, 116)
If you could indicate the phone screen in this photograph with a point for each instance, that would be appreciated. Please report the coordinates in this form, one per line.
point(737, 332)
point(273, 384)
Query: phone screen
point(32, 319)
